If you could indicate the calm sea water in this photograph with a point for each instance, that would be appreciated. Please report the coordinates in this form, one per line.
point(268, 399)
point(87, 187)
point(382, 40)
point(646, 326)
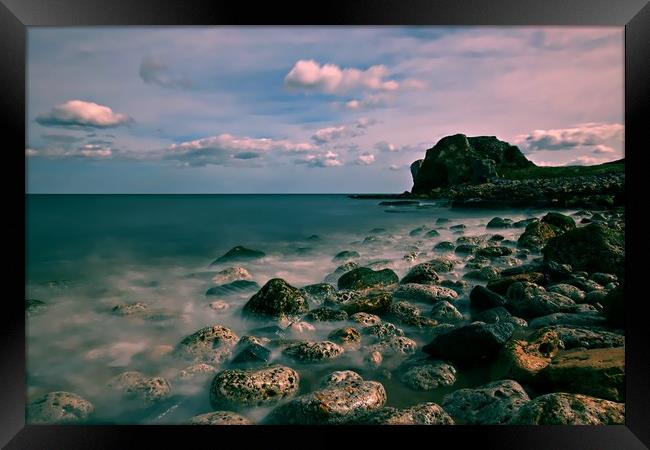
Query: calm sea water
point(88, 253)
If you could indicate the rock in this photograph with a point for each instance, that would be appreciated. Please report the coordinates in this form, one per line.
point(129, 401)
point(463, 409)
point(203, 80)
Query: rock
point(493, 251)
point(458, 227)
point(490, 404)
point(313, 351)
point(373, 359)
point(130, 309)
point(219, 305)
point(529, 300)
point(325, 314)
point(589, 319)
point(409, 314)
point(584, 284)
point(231, 274)
point(364, 278)
point(33, 306)
point(136, 386)
point(319, 293)
point(191, 372)
point(426, 374)
point(219, 418)
point(431, 234)
point(333, 277)
point(525, 222)
point(523, 360)
point(583, 337)
point(415, 167)
point(594, 297)
point(418, 231)
point(382, 330)
point(603, 278)
point(496, 238)
point(394, 345)
point(236, 287)
point(499, 314)
point(337, 403)
point(599, 372)
point(252, 354)
point(442, 220)
point(446, 312)
point(536, 235)
point(593, 248)
point(300, 328)
point(422, 414)
point(277, 299)
point(424, 293)
point(441, 265)
point(564, 223)
point(268, 331)
point(466, 249)
point(346, 255)
point(470, 344)
point(423, 273)
point(501, 286)
point(373, 302)
point(457, 286)
point(365, 319)
point(348, 337)
point(482, 298)
point(473, 240)
point(239, 253)
point(499, 222)
point(486, 273)
point(567, 290)
point(569, 409)
point(212, 344)
point(614, 306)
point(444, 246)
point(59, 407)
point(340, 377)
point(265, 386)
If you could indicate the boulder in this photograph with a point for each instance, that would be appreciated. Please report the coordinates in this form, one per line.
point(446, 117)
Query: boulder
point(325, 314)
point(339, 402)
point(313, 351)
point(574, 293)
point(490, 404)
point(482, 298)
point(444, 246)
point(277, 299)
point(333, 277)
point(346, 255)
point(266, 386)
point(441, 265)
point(373, 302)
point(494, 251)
point(130, 309)
point(425, 293)
point(501, 285)
point(560, 221)
point(486, 273)
point(409, 314)
point(536, 235)
point(471, 344)
point(529, 300)
point(364, 278)
point(421, 414)
point(593, 248)
point(523, 360)
point(59, 407)
point(423, 273)
point(211, 344)
point(365, 319)
point(585, 319)
point(599, 372)
point(499, 222)
point(219, 418)
point(231, 274)
point(426, 374)
point(573, 337)
point(569, 409)
point(34, 306)
point(233, 288)
point(252, 354)
point(239, 253)
point(319, 293)
point(499, 314)
point(393, 345)
point(445, 312)
point(136, 386)
point(347, 337)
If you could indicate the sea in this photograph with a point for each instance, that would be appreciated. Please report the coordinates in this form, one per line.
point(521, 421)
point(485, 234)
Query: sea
point(86, 254)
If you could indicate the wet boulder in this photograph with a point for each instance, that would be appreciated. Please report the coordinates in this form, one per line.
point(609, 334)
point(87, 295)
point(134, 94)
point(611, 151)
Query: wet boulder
point(486, 273)
point(136, 386)
point(424, 293)
point(347, 337)
point(562, 408)
point(490, 404)
point(424, 374)
point(239, 253)
point(593, 248)
point(421, 414)
point(529, 300)
point(393, 346)
point(499, 314)
point(575, 337)
point(237, 389)
point(536, 235)
point(471, 344)
point(251, 354)
point(277, 299)
point(523, 360)
point(482, 298)
point(34, 306)
point(231, 274)
point(501, 285)
point(59, 407)
point(442, 265)
point(364, 278)
point(336, 403)
point(584, 319)
point(574, 293)
point(423, 273)
point(130, 309)
point(445, 312)
point(219, 418)
point(325, 314)
point(373, 302)
point(560, 221)
point(365, 319)
point(340, 377)
point(346, 255)
point(494, 251)
point(319, 293)
point(382, 330)
point(313, 351)
point(409, 314)
point(599, 372)
point(233, 288)
point(211, 344)
point(444, 246)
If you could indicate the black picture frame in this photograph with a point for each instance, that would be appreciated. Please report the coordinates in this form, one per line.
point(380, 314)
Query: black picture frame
point(16, 15)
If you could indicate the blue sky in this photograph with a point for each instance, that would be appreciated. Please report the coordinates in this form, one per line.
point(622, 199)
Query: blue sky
point(307, 109)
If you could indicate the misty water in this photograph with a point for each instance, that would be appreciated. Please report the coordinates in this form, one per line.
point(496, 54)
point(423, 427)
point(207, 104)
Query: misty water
point(88, 253)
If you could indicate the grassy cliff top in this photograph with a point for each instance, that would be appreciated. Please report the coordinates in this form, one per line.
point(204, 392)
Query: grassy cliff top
point(537, 172)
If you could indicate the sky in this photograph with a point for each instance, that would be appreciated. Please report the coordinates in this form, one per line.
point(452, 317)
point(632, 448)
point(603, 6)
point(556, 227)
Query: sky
point(307, 109)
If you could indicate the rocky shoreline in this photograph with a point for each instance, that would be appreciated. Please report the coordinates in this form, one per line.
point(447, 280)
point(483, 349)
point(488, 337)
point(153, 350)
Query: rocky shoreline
point(544, 318)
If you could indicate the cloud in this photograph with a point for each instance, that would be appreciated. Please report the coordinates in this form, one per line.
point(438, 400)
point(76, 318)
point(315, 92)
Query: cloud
point(384, 146)
point(224, 148)
point(396, 167)
point(603, 149)
point(365, 159)
point(85, 151)
point(587, 134)
point(355, 129)
point(585, 161)
point(326, 159)
point(82, 114)
point(372, 101)
point(61, 138)
point(154, 71)
point(331, 79)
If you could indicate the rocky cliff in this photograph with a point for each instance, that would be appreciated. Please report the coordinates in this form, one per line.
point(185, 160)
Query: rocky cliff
point(459, 159)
